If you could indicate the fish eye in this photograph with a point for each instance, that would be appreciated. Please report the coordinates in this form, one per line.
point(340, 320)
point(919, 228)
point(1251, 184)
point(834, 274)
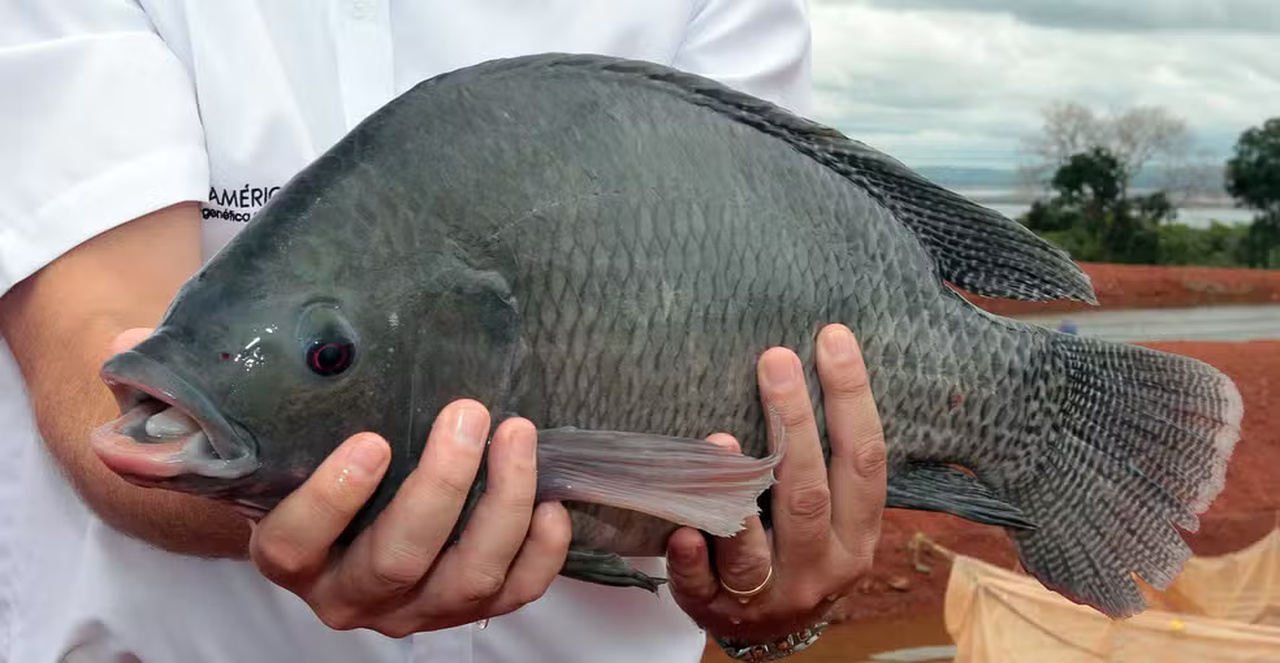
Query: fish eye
point(327, 339)
point(330, 357)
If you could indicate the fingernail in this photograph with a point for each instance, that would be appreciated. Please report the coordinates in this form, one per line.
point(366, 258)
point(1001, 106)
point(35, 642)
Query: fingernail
point(779, 370)
point(366, 456)
point(470, 426)
point(838, 343)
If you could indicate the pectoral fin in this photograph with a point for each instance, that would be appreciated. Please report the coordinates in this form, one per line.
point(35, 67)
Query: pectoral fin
point(687, 481)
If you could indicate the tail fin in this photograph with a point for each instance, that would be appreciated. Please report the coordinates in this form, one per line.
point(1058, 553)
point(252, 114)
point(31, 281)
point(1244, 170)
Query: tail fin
point(1140, 442)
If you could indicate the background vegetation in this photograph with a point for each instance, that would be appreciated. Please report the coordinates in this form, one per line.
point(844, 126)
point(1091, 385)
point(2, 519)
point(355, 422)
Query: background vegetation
point(1087, 165)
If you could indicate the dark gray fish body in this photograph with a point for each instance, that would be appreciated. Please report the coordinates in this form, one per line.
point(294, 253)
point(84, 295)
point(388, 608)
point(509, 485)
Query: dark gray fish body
point(608, 246)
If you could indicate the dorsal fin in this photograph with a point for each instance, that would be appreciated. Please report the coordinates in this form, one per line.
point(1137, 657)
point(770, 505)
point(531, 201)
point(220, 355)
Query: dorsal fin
point(975, 248)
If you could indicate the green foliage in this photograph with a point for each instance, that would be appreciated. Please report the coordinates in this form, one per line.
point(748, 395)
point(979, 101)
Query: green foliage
point(1253, 179)
point(1261, 244)
point(1253, 173)
point(1090, 178)
point(1219, 245)
point(1092, 215)
point(1080, 244)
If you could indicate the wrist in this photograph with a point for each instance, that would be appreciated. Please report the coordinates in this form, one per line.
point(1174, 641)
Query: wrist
point(170, 521)
point(774, 649)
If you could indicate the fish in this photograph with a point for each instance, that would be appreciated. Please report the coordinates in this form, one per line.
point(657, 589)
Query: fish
point(605, 246)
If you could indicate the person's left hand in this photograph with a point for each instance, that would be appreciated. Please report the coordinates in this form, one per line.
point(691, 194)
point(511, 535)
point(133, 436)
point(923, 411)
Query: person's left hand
point(826, 522)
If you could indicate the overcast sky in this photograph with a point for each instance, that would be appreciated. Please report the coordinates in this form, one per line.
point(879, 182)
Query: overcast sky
point(957, 82)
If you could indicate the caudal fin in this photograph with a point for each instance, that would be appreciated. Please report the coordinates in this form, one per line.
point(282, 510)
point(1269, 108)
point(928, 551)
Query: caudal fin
point(1140, 442)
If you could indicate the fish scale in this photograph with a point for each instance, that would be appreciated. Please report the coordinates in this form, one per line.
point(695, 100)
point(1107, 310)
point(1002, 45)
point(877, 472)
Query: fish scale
point(606, 247)
point(783, 320)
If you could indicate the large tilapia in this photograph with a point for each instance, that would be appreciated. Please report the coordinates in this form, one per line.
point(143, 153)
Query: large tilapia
point(605, 247)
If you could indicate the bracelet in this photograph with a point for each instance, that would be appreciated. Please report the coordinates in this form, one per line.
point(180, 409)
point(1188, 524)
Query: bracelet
point(772, 651)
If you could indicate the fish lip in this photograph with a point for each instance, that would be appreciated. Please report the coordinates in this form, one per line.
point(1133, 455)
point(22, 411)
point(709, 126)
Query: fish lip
point(141, 385)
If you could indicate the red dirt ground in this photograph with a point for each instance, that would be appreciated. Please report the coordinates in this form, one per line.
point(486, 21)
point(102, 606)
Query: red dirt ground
point(1147, 286)
point(900, 605)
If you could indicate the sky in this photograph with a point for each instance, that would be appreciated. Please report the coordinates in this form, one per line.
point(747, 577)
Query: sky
point(959, 82)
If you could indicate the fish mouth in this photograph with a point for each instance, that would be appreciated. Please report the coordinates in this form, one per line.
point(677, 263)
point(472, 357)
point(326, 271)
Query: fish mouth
point(167, 427)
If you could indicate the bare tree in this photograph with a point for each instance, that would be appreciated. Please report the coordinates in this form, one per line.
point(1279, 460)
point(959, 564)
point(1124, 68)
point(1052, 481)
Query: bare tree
point(1068, 128)
point(1137, 137)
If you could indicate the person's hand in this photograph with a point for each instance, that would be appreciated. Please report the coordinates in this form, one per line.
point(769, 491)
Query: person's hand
point(825, 522)
point(397, 577)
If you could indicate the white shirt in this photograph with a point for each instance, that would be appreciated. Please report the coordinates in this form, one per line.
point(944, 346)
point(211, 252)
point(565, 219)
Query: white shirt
point(114, 108)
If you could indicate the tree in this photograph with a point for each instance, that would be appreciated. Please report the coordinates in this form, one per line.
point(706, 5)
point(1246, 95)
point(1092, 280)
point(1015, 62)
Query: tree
point(1094, 178)
point(1136, 137)
point(1094, 218)
point(1253, 173)
point(1262, 243)
point(1253, 179)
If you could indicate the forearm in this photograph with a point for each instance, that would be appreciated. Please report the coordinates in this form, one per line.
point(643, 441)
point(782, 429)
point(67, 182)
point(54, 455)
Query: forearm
point(60, 323)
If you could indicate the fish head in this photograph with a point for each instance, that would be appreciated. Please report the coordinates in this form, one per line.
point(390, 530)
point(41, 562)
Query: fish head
point(241, 392)
point(304, 329)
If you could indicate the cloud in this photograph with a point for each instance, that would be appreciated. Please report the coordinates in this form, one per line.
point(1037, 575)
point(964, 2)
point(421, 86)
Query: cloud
point(961, 87)
point(1110, 15)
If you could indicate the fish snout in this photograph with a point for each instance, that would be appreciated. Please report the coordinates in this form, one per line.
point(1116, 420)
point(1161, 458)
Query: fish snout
point(167, 426)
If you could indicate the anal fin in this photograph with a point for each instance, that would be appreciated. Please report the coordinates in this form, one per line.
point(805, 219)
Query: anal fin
point(934, 487)
point(687, 481)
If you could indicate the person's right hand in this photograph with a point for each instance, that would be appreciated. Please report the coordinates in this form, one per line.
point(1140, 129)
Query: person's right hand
point(398, 577)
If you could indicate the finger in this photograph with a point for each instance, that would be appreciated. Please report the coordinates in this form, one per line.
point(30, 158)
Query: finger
point(444, 603)
point(539, 560)
point(725, 441)
point(693, 582)
point(744, 561)
point(801, 498)
point(857, 471)
point(291, 543)
point(395, 552)
point(476, 568)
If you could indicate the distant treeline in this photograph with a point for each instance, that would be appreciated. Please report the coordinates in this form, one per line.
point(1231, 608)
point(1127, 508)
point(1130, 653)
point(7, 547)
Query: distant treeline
point(1219, 245)
point(1093, 213)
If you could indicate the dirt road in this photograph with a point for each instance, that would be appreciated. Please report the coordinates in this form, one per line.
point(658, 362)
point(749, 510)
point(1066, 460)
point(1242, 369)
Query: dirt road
point(1202, 323)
